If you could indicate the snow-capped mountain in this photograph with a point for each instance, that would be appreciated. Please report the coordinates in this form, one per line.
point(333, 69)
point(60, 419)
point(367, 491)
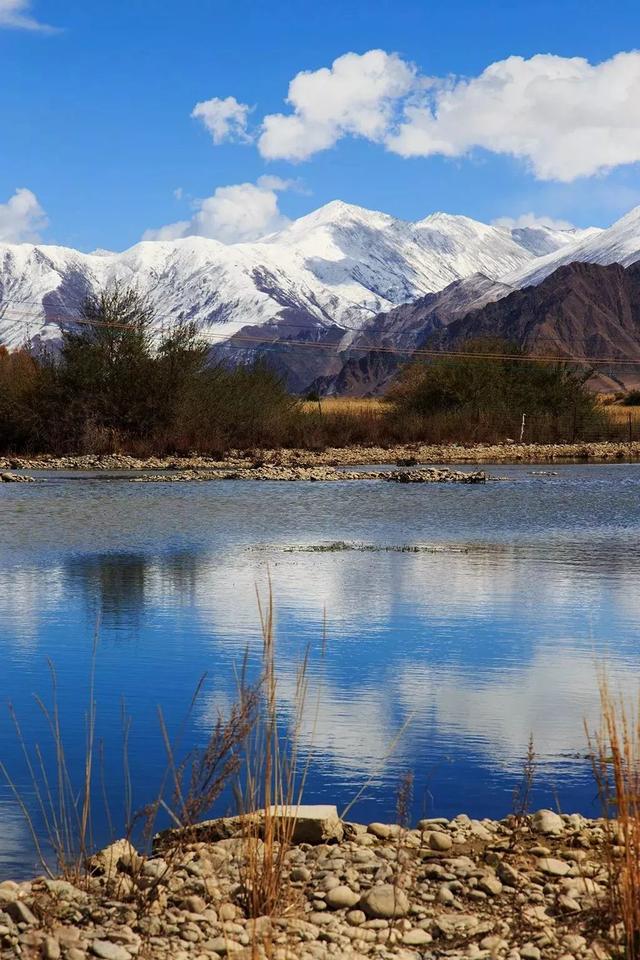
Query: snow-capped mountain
point(339, 266)
point(542, 240)
point(619, 243)
point(356, 368)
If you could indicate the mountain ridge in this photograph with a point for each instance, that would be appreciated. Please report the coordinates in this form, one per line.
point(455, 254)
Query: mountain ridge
point(581, 311)
point(340, 265)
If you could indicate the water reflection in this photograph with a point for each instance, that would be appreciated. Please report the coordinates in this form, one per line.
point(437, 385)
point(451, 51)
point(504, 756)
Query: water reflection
point(491, 631)
point(17, 852)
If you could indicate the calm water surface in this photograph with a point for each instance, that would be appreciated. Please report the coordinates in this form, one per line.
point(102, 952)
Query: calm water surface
point(490, 632)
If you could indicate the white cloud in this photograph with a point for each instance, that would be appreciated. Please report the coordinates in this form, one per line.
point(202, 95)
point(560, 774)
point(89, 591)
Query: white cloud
point(532, 221)
point(224, 119)
point(16, 14)
point(171, 231)
point(564, 116)
point(355, 96)
point(233, 214)
point(21, 218)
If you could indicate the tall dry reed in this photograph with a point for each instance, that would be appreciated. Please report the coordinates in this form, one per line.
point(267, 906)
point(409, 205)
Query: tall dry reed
point(271, 793)
point(615, 752)
point(63, 804)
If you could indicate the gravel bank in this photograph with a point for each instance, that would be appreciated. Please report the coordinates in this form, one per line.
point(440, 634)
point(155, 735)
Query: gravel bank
point(401, 455)
point(462, 888)
point(317, 474)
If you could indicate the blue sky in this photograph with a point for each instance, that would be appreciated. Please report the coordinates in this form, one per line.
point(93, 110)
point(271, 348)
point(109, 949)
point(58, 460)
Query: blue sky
point(98, 126)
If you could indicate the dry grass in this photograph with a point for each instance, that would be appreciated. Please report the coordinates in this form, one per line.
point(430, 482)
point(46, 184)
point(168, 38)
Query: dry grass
point(246, 750)
point(619, 415)
point(523, 790)
point(615, 751)
point(272, 790)
point(348, 405)
point(64, 806)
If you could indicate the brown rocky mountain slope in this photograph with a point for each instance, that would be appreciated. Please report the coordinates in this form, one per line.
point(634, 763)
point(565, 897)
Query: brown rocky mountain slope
point(580, 310)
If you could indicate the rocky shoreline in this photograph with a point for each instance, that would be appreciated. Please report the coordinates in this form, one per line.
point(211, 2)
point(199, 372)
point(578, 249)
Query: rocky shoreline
point(404, 455)
point(528, 888)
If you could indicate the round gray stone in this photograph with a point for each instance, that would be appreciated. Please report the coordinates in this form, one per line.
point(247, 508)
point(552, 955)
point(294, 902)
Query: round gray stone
point(385, 901)
point(342, 896)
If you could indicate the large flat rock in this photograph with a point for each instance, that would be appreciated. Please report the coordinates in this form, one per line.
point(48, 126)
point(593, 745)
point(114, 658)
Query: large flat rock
point(307, 823)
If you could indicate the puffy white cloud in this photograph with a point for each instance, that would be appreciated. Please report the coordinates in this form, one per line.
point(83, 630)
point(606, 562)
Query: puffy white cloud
point(564, 116)
point(16, 14)
point(171, 231)
point(224, 119)
point(357, 95)
point(233, 214)
point(21, 218)
point(530, 220)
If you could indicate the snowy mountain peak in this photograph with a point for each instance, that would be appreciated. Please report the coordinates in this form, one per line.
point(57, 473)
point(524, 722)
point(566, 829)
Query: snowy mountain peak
point(340, 210)
point(447, 220)
point(332, 216)
point(632, 218)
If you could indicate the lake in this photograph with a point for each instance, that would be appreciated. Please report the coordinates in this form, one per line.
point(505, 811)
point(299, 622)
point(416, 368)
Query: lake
point(473, 617)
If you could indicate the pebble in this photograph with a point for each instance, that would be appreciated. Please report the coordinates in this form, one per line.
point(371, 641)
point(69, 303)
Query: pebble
point(490, 885)
point(553, 867)
point(51, 949)
point(547, 822)
point(445, 895)
point(440, 841)
point(107, 950)
point(416, 938)
point(356, 917)
point(380, 830)
point(341, 896)
point(530, 952)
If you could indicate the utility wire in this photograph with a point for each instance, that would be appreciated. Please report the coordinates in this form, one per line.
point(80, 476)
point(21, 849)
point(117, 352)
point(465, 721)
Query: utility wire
point(363, 347)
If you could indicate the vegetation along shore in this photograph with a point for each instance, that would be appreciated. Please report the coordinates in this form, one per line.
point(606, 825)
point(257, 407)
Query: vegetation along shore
point(113, 387)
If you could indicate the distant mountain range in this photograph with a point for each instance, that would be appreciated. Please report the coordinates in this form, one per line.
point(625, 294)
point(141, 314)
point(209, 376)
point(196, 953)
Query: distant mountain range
point(322, 296)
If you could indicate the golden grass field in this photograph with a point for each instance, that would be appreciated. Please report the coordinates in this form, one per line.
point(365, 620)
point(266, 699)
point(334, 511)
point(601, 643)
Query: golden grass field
point(620, 414)
point(377, 405)
point(352, 405)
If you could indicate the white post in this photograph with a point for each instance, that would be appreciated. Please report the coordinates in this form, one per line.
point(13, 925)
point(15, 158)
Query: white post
point(524, 417)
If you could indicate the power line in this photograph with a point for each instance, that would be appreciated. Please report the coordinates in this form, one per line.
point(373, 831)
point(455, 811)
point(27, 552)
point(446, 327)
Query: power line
point(281, 322)
point(365, 347)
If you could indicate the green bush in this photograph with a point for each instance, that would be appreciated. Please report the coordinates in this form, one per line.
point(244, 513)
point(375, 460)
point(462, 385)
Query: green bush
point(492, 379)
